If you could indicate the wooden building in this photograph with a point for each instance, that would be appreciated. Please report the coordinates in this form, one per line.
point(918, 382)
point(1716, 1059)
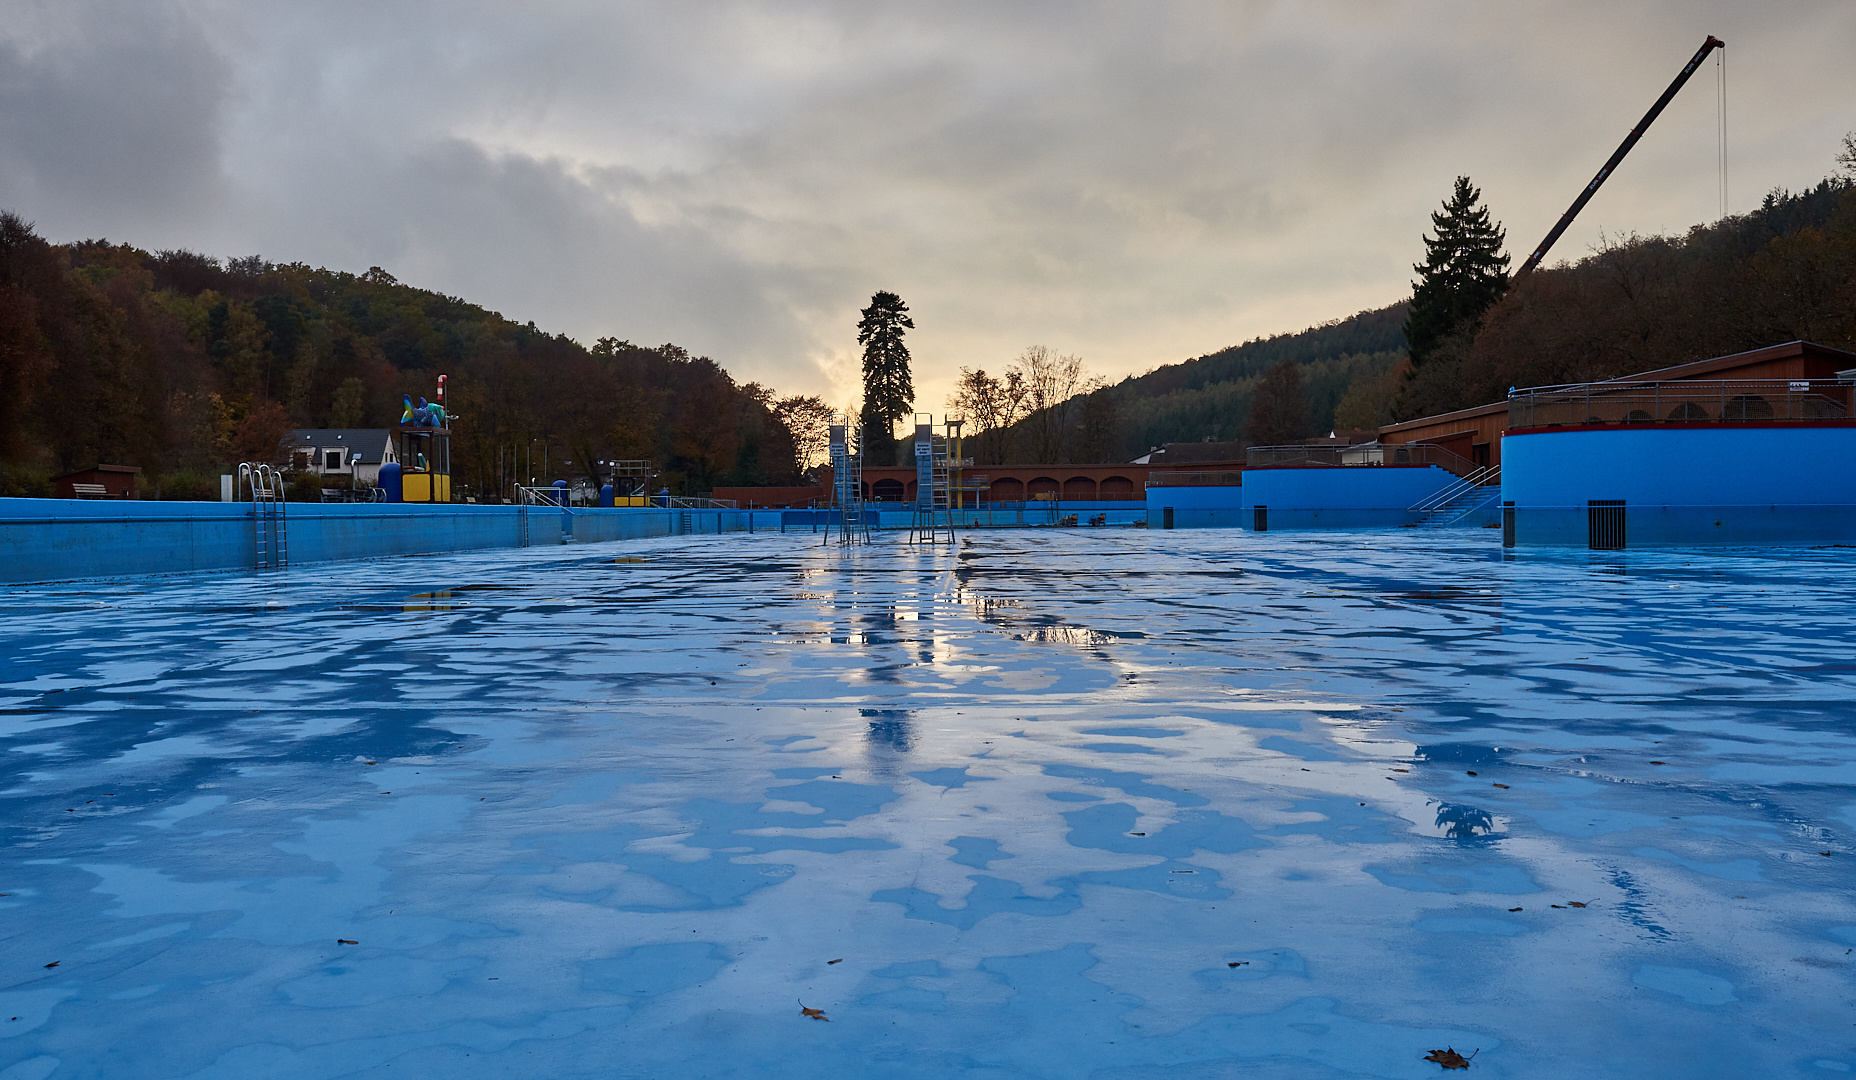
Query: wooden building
point(97, 482)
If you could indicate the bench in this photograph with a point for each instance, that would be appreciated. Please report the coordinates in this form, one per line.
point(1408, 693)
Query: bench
point(90, 491)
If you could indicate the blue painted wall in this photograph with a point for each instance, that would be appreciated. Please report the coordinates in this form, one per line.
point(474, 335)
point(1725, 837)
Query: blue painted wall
point(1347, 497)
point(1219, 507)
point(59, 539)
point(1685, 486)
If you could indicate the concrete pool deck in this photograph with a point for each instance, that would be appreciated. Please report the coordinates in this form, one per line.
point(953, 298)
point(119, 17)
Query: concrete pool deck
point(1063, 803)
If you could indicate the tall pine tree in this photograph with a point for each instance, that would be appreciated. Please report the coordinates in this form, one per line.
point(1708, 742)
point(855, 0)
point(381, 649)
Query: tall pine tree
point(1464, 271)
point(889, 390)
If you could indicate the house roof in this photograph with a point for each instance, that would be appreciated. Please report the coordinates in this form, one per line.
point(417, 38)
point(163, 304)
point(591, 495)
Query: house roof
point(1806, 349)
point(368, 445)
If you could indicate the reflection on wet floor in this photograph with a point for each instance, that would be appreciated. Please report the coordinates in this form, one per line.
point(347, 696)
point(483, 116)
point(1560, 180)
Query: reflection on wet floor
point(1050, 804)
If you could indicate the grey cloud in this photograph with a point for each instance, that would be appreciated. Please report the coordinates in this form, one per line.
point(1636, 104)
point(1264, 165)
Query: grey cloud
point(1133, 182)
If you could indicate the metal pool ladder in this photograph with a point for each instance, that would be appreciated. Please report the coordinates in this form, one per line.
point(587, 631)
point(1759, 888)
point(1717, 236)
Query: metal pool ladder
point(270, 528)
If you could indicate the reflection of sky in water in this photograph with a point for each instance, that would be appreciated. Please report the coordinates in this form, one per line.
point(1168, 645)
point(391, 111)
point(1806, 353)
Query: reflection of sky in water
point(1058, 804)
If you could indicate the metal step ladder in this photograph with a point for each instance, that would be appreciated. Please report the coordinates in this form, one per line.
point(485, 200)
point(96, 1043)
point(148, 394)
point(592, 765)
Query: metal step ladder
point(270, 522)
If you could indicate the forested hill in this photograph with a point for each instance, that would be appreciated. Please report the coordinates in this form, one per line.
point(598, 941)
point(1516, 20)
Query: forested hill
point(182, 365)
point(1209, 397)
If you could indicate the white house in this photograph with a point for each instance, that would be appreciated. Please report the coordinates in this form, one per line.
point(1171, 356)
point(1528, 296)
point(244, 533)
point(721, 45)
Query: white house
point(352, 452)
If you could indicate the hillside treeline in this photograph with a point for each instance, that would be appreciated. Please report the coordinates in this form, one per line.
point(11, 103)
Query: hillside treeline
point(1210, 397)
point(184, 365)
point(1784, 272)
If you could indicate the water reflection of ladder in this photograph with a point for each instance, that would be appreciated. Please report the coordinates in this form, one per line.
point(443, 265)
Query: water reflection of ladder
point(270, 528)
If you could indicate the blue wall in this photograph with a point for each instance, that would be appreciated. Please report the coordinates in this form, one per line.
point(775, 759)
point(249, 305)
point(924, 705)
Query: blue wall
point(58, 539)
point(1683, 486)
point(1209, 507)
point(1343, 497)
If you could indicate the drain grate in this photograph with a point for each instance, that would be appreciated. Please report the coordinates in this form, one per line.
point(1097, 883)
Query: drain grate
point(1604, 524)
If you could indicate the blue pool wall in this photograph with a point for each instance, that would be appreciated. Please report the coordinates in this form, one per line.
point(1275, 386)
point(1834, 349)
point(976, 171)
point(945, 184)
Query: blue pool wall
point(60, 539)
point(1342, 497)
point(1208, 507)
point(1780, 485)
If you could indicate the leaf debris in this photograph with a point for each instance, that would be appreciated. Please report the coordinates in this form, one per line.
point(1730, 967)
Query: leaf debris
point(1514, 909)
point(346, 941)
point(816, 1014)
point(839, 960)
point(1501, 785)
point(1450, 1059)
point(54, 963)
point(1237, 963)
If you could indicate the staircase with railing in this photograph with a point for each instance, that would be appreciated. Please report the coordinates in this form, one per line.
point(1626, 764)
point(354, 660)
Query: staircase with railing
point(1456, 502)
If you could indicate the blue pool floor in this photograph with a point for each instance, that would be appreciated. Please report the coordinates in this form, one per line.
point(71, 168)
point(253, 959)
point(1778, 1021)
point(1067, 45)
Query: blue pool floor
point(1089, 803)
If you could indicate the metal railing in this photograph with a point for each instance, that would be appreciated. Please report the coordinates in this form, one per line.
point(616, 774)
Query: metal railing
point(1680, 401)
point(1202, 478)
point(1440, 501)
point(270, 527)
point(1264, 457)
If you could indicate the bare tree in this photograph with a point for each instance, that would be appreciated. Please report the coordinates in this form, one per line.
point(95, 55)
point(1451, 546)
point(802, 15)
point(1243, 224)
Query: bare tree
point(809, 420)
point(992, 406)
point(1052, 382)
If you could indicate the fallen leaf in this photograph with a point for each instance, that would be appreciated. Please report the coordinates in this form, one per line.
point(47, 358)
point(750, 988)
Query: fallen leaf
point(1501, 785)
point(1237, 963)
point(345, 941)
point(839, 960)
point(370, 763)
point(1137, 834)
point(54, 963)
point(1471, 772)
point(1514, 909)
point(1823, 853)
point(1659, 763)
point(1562, 907)
point(816, 1014)
point(1401, 770)
point(1450, 1059)
point(1574, 903)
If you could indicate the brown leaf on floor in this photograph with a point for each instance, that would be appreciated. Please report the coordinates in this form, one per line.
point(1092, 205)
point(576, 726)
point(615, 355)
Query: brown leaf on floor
point(1450, 1059)
point(345, 941)
point(839, 960)
point(1401, 770)
point(816, 1014)
point(1823, 853)
point(1237, 963)
point(1514, 909)
point(1659, 763)
point(1562, 907)
point(1471, 772)
point(1574, 903)
point(370, 763)
point(54, 963)
point(1501, 785)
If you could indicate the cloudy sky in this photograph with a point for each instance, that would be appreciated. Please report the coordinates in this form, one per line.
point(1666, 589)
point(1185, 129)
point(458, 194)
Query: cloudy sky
point(1135, 182)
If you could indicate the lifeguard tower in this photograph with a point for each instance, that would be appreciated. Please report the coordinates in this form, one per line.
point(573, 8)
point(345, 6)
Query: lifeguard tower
point(425, 464)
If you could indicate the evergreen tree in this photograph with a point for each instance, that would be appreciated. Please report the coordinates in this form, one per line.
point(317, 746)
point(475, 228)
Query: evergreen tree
point(1464, 271)
point(888, 389)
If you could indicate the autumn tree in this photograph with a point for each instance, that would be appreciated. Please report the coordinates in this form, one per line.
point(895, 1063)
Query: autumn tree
point(889, 389)
point(809, 420)
point(1279, 409)
point(1052, 382)
point(1463, 272)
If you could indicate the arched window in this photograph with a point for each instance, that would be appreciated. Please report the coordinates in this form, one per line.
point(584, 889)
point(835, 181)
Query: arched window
point(1042, 485)
point(886, 491)
point(1747, 407)
point(1116, 487)
point(1079, 488)
point(1006, 489)
point(1688, 410)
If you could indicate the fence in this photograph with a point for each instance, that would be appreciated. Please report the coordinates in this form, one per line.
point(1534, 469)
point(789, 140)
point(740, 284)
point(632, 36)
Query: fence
point(1764, 401)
